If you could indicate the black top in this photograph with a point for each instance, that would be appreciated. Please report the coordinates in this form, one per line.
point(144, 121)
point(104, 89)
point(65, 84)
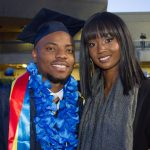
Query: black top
point(142, 119)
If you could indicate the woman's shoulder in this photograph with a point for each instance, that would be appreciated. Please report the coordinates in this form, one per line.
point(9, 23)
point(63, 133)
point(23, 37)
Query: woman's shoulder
point(145, 82)
point(144, 94)
point(142, 117)
point(144, 89)
point(143, 101)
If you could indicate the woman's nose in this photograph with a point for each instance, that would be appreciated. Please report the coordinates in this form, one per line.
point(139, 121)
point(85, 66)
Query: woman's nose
point(101, 45)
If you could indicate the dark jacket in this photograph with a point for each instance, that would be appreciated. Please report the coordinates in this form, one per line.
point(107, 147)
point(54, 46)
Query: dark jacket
point(142, 118)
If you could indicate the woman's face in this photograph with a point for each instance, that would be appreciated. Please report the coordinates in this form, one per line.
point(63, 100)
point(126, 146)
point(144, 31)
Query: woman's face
point(105, 52)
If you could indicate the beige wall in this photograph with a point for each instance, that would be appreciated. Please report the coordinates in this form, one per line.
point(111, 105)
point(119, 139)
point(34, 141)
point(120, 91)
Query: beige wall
point(137, 23)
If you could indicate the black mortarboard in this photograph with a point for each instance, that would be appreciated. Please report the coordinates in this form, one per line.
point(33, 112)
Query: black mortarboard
point(47, 21)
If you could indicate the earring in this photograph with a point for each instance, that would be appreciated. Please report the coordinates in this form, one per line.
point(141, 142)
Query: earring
point(92, 65)
point(91, 61)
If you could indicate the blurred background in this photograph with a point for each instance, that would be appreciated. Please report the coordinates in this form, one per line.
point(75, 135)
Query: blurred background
point(15, 14)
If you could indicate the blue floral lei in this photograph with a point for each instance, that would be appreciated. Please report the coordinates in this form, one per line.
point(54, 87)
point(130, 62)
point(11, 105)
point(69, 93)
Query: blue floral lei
point(54, 133)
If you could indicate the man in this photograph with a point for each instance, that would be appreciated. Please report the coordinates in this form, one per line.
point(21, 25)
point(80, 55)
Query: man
point(43, 106)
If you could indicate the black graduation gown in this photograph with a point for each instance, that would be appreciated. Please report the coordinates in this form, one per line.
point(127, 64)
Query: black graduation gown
point(4, 113)
point(4, 119)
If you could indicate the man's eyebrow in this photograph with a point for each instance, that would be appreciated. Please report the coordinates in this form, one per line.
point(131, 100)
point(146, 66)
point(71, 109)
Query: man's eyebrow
point(52, 43)
point(70, 45)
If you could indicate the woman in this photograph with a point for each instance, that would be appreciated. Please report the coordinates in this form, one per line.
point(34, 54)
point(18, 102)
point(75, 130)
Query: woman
point(116, 114)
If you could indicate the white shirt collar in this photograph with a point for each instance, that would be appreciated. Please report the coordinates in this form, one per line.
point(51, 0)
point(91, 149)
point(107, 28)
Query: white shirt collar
point(58, 94)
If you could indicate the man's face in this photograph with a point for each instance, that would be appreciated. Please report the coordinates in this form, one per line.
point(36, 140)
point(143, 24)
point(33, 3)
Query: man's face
point(54, 55)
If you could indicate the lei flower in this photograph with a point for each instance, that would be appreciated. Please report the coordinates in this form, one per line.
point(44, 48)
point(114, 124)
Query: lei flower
point(54, 132)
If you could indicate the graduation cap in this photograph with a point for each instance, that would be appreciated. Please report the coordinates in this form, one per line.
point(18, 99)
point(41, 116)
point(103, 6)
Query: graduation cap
point(47, 21)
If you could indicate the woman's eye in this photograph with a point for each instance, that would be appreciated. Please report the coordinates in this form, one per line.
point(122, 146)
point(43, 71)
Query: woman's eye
point(108, 40)
point(90, 45)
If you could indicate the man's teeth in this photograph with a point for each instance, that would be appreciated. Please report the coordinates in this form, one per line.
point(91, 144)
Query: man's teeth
point(60, 66)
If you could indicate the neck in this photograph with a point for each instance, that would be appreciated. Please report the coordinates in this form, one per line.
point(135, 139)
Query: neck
point(56, 87)
point(109, 79)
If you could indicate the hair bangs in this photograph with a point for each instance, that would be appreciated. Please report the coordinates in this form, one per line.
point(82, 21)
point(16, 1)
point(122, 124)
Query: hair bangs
point(90, 32)
point(100, 28)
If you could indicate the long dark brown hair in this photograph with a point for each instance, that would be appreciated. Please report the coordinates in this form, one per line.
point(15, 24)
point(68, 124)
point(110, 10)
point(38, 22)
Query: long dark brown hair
point(130, 71)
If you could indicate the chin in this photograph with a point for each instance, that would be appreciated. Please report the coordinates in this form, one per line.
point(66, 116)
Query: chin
point(57, 79)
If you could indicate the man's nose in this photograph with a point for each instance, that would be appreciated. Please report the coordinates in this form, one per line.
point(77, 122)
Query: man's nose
point(61, 53)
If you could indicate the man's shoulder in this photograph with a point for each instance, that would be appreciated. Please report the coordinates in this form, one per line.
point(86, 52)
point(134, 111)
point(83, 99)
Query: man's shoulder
point(5, 87)
point(21, 81)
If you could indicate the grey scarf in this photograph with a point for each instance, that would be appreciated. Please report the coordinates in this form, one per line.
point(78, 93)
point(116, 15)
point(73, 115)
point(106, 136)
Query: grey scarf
point(107, 123)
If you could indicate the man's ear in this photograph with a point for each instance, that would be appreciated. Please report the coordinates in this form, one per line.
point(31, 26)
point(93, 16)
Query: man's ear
point(34, 55)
